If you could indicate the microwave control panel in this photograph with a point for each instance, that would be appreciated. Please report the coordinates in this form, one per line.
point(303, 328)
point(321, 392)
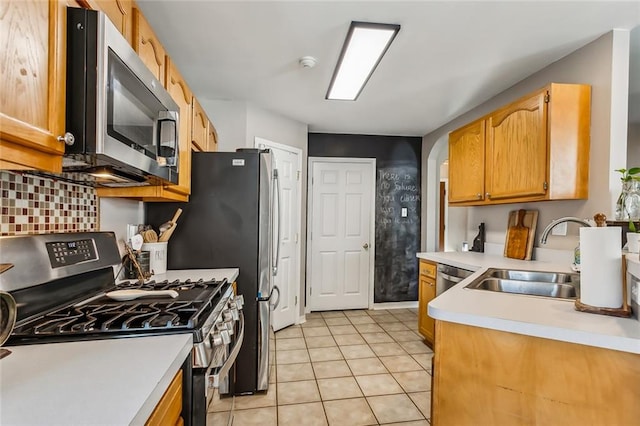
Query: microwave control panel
point(65, 253)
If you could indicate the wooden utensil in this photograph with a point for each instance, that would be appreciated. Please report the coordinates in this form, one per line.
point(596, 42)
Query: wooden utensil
point(517, 237)
point(167, 234)
point(167, 225)
point(150, 236)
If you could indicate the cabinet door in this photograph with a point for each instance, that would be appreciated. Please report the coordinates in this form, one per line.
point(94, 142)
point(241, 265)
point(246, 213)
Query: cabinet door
point(32, 84)
point(517, 149)
point(212, 137)
point(426, 325)
point(120, 13)
point(467, 163)
point(181, 94)
point(147, 45)
point(199, 130)
point(169, 409)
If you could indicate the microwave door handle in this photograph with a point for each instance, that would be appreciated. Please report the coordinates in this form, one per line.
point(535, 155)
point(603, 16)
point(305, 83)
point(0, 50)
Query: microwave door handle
point(276, 189)
point(168, 117)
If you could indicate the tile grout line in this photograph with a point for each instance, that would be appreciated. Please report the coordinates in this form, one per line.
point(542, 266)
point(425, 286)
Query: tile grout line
point(368, 344)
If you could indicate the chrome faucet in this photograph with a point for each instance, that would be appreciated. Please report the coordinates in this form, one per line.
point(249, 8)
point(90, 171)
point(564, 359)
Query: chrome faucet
point(545, 233)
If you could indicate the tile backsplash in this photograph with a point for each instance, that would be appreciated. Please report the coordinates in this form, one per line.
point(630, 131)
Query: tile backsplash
point(38, 205)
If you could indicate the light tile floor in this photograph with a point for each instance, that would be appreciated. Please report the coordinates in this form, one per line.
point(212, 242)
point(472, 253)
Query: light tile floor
point(346, 368)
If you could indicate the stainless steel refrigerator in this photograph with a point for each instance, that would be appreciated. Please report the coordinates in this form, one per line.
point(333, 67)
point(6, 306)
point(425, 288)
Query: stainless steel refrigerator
point(229, 223)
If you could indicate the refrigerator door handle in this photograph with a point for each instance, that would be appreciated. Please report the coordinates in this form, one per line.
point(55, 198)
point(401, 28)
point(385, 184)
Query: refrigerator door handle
point(276, 189)
point(275, 305)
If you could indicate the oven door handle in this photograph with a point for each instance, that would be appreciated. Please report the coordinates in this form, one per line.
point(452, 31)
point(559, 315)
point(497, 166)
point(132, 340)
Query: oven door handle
point(220, 373)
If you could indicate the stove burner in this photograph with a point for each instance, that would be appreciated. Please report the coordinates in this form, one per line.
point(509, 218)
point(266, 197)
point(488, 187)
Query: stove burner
point(99, 315)
point(121, 316)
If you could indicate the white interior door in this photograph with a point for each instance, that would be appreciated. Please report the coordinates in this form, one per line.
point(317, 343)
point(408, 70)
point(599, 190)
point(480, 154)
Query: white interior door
point(341, 205)
point(288, 163)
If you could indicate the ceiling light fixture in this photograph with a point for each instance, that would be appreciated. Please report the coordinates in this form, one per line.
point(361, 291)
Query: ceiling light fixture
point(362, 51)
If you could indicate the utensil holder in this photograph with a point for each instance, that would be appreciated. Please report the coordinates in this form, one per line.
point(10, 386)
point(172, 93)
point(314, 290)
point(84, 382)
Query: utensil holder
point(157, 256)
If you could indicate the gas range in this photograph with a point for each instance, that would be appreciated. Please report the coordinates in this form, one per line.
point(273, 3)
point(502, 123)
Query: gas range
point(100, 315)
point(62, 284)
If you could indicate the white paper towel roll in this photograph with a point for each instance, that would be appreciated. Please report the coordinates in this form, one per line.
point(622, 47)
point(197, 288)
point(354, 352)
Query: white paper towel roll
point(601, 266)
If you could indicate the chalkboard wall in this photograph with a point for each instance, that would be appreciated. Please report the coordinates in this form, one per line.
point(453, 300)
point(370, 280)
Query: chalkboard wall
point(397, 188)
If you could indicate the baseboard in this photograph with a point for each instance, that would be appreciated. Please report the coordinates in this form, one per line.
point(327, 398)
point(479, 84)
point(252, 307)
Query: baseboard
point(395, 305)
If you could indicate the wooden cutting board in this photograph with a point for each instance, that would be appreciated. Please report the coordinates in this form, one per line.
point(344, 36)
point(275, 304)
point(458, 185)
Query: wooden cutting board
point(517, 238)
point(530, 222)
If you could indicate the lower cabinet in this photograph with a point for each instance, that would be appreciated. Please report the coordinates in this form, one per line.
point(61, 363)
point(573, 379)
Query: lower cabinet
point(426, 293)
point(169, 409)
point(492, 377)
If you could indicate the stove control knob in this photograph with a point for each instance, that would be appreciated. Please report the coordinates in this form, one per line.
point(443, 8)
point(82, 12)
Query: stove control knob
point(235, 314)
point(225, 326)
point(226, 338)
point(230, 326)
point(216, 339)
point(227, 315)
point(239, 301)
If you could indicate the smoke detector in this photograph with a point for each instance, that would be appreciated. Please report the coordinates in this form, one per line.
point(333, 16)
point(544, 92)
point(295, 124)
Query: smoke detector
point(308, 61)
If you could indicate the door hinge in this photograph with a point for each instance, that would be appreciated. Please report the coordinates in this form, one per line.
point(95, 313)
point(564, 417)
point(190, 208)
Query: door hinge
point(546, 98)
point(295, 238)
point(545, 186)
point(296, 301)
point(310, 291)
point(298, 175)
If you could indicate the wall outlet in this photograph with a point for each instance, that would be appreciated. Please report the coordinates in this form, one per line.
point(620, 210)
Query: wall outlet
point(403, 213)
point(560, 229)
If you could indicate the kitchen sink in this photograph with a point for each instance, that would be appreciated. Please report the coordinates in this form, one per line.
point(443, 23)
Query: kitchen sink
point(558, 285)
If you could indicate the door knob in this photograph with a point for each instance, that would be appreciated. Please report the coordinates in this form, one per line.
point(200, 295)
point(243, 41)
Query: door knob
point(366, 246)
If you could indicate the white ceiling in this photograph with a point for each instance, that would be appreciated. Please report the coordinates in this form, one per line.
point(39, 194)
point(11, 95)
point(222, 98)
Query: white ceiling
point(449, 56)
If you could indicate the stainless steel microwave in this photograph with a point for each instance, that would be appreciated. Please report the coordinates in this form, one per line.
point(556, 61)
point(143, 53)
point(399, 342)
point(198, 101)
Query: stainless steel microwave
point(125, 124)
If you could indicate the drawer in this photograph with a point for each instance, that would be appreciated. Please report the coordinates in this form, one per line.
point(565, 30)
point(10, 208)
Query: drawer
point(427, 269)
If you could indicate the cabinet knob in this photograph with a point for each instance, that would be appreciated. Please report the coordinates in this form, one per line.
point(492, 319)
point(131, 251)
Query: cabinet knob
point(487, 195)
point(68, 139)
point(479, 195)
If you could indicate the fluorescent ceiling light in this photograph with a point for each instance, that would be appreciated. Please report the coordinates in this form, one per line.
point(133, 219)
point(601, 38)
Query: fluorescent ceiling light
point(363, 49)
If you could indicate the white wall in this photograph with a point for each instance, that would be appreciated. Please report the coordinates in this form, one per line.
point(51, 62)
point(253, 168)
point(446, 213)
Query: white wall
point(230, 121)
point(116, 213)
point(633, 145)
point(601, 64)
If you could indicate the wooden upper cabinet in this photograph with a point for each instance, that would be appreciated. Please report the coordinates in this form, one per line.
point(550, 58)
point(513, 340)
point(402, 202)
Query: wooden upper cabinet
point(466, 163)
point(181, 94)
point(536, 149)
point(148, 46)
point(120, 12)
point(199, 129)
point(212, 137)
point(517, 149)
point(32, 83)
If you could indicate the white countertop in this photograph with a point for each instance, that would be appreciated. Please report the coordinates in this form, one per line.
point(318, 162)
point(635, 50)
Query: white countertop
point(98, 382)
point(534, 316)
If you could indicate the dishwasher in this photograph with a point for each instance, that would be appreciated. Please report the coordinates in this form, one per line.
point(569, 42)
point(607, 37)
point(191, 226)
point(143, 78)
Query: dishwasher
point(448, 276)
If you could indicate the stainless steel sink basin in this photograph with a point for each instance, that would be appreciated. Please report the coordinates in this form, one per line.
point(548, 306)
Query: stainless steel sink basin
point(531, 283)
point(534, 276)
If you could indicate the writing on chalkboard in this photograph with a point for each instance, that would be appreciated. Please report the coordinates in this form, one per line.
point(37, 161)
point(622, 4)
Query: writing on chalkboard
point(397, 233)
